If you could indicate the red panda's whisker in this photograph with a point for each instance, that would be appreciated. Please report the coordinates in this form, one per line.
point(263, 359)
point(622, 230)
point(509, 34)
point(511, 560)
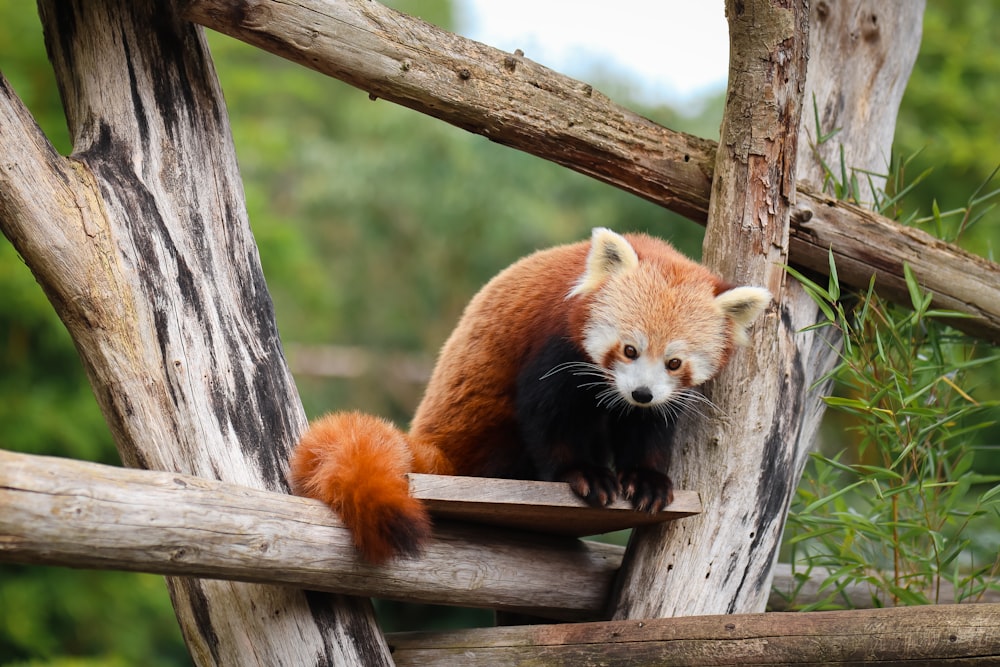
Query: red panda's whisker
point(577, 368)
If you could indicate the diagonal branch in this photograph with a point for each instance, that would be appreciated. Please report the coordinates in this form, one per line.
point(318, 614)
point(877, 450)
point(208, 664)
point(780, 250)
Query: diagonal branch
point(140, 240)
point(519, 103)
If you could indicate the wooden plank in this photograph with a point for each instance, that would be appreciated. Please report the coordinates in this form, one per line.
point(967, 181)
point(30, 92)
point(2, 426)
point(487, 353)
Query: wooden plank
point(945, 634)
point(544, 507)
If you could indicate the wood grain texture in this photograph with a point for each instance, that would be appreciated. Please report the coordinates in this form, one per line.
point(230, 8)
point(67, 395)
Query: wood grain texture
point(140, 239)
point(745, 463)
point(938, 635)
point(77, 514)
point(773, 412)
point(516, 102)
point(543, 507)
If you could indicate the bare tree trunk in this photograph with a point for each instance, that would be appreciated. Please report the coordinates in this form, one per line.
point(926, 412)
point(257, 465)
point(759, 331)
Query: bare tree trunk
point(141, 241)
point(747, 464)
point(743, 459)
point(861, 54)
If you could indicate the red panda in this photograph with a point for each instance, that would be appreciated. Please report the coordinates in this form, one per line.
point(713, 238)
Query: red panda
point(570, 365)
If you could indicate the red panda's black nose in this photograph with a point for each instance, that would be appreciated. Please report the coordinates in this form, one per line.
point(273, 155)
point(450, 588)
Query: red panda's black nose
point(642, 395)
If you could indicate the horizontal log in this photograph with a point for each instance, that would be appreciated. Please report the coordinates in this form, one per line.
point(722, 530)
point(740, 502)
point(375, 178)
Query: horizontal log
point(514, 101)
point(77, 514)
point(946, 634)
point(86, 515)
point(866, 244)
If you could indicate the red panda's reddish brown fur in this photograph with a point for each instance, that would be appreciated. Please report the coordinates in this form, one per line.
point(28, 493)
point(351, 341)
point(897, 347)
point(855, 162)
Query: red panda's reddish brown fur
point(467, 422)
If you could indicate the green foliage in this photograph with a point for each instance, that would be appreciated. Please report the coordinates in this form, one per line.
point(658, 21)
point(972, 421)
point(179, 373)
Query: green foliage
point(948, 118)
point(903, 510)
point(55, 616)
point(904, 506)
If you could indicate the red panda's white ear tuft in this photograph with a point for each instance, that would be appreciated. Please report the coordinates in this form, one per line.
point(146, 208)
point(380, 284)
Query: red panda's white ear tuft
point(610, 254)
point(742, 305)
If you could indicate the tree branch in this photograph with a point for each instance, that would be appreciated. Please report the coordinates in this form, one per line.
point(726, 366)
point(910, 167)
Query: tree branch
point(516, 102)
point(954, 635)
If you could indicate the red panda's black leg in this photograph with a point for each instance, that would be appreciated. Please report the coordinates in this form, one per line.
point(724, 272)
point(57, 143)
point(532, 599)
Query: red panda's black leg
point(563, 429)
point(642, 443)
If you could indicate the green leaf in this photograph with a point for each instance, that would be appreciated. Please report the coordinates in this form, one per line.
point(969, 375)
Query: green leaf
point(834, 283)
point(830, 498)
point(916, 295)
point(991, 496)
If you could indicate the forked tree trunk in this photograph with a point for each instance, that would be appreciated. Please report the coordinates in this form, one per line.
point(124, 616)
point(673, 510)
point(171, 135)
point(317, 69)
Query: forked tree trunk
point(746, 461)
point(141, 241)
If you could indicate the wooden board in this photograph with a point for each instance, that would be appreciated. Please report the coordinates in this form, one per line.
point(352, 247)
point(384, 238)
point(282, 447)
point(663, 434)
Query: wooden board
point(963, 634)
point(545, 507)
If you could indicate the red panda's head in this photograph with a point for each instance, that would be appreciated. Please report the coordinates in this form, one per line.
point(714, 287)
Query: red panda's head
point(658, 323)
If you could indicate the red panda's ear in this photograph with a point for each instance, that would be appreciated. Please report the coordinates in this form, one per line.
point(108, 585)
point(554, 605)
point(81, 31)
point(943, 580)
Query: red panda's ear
point(742, 305)
point(610, 254)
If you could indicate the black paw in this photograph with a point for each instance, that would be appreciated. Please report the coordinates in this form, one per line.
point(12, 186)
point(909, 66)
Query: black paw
point(596, 485)
point(649, 490)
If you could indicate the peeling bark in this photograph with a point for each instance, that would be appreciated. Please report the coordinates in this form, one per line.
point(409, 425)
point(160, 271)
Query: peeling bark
point(747, 463)
point(744, 459)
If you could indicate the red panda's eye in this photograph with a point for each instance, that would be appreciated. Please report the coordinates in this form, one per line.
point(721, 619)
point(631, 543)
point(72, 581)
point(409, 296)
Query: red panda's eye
point(630, 352)
point(673, 364)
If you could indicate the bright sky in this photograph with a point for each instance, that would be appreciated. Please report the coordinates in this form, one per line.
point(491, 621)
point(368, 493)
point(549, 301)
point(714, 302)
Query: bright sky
point(669, 50)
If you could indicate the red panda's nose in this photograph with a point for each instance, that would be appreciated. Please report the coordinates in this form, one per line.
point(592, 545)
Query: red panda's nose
point(642, 395)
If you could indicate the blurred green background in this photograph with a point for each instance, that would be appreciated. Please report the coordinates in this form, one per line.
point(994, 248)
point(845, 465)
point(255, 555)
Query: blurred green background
point(375, 225)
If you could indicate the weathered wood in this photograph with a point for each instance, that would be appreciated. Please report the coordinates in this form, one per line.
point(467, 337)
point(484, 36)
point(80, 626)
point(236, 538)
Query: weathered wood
point(748, 472)
point(517, 102)
point(77, 514)
point(141, 242)
point(846, 38)
point(544, 507)
point(864, 243)
point(939, 635)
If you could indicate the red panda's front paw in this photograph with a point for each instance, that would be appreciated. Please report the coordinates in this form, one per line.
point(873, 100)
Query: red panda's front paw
point(596, 485)
point(649, 490)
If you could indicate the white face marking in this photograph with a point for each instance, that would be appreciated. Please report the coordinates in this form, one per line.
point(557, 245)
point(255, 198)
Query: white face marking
point(698, 365)
point(598, 339)
point(648, 373)
point(644, 380)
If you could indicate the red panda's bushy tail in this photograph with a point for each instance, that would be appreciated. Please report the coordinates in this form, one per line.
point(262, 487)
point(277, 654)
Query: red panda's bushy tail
point(357, 464)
